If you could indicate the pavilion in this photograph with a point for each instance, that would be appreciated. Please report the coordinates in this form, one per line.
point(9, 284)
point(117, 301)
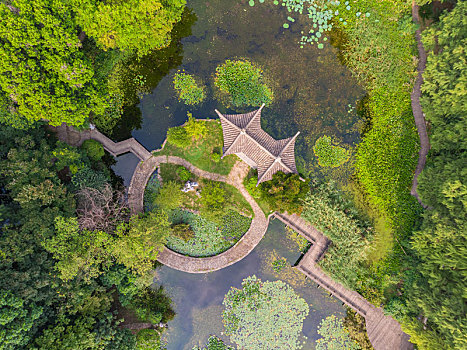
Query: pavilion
point(244, 137)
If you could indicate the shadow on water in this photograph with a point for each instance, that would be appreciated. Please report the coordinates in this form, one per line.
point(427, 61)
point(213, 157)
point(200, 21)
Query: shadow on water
point(142, 75)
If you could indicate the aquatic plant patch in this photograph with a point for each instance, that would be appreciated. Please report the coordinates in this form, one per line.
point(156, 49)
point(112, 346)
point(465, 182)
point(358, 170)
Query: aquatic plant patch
point(188, 90)
point(322, 13)
point(263, 313)
point(243, 83)
point(329, 153)
point(209, 238)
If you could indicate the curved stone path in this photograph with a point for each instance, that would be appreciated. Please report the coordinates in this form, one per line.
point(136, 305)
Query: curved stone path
point(383, 331)
point(417, 108)
point(242, 248)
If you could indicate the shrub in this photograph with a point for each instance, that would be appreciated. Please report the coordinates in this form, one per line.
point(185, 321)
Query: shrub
point(178, 136)
point(153, 305)
point(215, 157)
point(329, 154)
point(182, 231)
point(169, 197)
point(213, 196)
point(195, 129)
point(284, 192)
point(184, 174)
point(87, 177)
point(187, 89)
point(243, 83)
point(94, 149)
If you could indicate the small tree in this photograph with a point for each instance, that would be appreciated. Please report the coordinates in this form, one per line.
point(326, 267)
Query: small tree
point(140, 242)
point(170, 196)
point(284, 192)
point(334, 335)
point(195, 128)
point(264, 315)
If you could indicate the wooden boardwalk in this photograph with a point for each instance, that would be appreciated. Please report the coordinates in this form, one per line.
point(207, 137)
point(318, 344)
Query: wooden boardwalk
point(71, 136)
point(383, 331)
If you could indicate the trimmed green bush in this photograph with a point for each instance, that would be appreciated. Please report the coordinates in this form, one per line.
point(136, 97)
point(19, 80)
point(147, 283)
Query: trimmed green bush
point(94, 149)
point(243, 83)
point(329, 154)
point(178, 136)
point(187, 89)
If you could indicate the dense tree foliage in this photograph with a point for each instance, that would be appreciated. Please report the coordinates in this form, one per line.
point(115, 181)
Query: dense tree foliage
point(43, 71)
point(37, 215)
point(48, 70)
point(264, 315)
point(438, 291)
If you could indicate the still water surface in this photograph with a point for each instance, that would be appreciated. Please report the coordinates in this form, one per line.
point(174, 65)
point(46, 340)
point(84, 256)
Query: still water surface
point(313, 94)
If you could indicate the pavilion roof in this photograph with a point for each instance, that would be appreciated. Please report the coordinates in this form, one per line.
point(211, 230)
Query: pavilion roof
point(243, 134)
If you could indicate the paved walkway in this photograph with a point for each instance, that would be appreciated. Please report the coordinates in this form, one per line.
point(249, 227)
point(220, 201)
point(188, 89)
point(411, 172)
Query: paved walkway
point(242, 248)
point(417, 108)
point(383, 331)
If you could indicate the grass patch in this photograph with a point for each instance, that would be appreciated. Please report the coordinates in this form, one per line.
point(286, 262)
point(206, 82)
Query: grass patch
point(210, 238)
point(250, 184)
point(200, 152)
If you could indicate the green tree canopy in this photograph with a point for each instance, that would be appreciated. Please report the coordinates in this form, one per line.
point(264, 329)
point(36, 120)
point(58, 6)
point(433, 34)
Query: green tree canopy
point(264, 315)
point(43, 71)
point(439, 275)
point(133, 24)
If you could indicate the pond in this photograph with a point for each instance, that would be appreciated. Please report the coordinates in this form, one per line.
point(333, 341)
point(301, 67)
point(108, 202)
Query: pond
point(198, 297)
point(313, 93)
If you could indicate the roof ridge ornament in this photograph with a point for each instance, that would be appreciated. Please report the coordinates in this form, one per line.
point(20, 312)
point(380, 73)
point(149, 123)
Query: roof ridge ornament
point(258, 149)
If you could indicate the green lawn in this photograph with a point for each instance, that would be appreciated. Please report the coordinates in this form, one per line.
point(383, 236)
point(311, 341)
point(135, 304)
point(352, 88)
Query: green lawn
point(200, 151)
